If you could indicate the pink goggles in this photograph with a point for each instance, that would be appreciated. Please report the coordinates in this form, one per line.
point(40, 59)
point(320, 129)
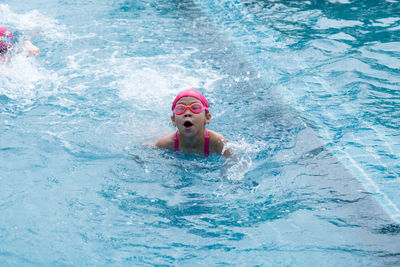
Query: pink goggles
point(195, 108)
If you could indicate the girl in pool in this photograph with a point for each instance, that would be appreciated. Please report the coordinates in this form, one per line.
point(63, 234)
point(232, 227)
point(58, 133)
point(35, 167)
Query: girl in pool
point(7, 42)
point(190, 115)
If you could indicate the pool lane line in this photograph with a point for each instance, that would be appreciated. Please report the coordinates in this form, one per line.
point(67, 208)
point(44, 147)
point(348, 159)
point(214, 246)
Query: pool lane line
point(216, 12)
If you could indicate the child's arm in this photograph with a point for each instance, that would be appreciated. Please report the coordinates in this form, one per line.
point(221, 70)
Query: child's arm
point(227, 151)
point(31, 48)
point(219, 143)
point(224, 150)
point(166, 142)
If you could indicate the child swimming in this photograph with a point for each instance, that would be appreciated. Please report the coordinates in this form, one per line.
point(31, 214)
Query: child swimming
point(190, 115)
point(7, 43)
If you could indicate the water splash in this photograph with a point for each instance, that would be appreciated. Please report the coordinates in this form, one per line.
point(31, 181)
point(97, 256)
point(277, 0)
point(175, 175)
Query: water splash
point(25, 77)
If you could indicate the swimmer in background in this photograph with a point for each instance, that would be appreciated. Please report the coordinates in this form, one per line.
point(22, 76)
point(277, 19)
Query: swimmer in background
point(190, 115)
point(7, 44)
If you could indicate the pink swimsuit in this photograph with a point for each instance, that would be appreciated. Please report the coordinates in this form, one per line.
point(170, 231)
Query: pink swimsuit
point(206, 143)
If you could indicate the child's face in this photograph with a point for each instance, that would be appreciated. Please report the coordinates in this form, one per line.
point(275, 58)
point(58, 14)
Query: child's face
point(189, 123)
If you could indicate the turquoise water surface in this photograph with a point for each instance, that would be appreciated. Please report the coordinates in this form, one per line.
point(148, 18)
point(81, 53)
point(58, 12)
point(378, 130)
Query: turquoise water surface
point(306, 92)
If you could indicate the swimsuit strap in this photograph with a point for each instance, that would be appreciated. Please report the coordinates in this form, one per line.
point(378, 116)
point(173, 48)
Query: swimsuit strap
point(176, 141)
point(206, 143)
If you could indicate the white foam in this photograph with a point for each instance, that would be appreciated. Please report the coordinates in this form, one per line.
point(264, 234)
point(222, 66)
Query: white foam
point(24, 76)
point(240, 162)
point(32, 23)
point(237, 168)
point(154, 80)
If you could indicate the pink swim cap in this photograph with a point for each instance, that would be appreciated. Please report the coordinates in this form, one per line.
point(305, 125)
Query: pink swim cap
point(191, 93)
point(6, 39)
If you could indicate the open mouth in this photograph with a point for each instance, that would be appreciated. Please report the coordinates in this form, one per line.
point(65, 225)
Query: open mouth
point(188, 124)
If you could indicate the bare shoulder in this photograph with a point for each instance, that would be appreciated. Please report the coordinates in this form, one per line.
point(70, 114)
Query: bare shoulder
point(217, 143)
point(166, 142)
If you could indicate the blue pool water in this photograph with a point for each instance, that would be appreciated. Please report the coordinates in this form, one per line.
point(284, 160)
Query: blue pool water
point(306, 92)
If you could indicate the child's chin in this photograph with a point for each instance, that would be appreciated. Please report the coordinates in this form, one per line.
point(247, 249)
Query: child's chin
point(188, 131)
